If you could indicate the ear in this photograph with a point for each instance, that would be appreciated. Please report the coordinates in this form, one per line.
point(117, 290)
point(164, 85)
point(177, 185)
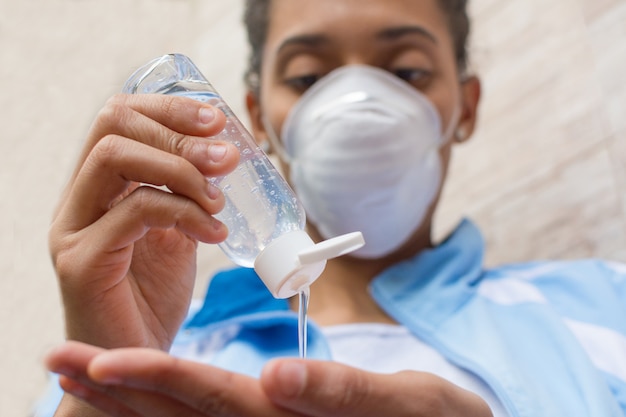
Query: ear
point(471, 91)
point(254, 112)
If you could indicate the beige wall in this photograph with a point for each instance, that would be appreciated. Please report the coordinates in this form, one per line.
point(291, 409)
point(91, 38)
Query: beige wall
point(545, 176)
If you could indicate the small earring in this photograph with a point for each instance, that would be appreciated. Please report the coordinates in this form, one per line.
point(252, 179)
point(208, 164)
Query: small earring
point(460, 134)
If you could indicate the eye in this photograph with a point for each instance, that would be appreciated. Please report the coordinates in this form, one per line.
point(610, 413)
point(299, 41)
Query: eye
point(302, 83)
point(416, 76)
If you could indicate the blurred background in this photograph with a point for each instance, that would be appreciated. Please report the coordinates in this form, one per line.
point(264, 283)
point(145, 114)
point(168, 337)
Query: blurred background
point(544, 176)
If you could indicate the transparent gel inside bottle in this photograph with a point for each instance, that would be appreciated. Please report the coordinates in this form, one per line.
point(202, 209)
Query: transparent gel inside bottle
point(264, 218)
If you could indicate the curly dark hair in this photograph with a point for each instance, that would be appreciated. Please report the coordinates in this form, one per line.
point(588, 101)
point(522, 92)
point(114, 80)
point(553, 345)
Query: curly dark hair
point(257, 14)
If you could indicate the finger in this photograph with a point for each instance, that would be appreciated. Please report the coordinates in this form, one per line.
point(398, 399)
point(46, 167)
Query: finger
point(170, 123)
point(177, 125)
point(178, 113)
point(321, 389)
point(208, 390)
point(103, 250)
point(115, 163)
point(318, 388)
point(149, 208)
point(71, 359)
point(96, 398)
point(126, 402)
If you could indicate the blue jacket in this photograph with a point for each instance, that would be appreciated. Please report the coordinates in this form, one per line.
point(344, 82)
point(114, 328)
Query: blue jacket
point(549, 338)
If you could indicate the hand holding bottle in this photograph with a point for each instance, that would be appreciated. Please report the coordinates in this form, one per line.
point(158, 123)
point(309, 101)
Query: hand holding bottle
point(125, 252)
point(264, 217)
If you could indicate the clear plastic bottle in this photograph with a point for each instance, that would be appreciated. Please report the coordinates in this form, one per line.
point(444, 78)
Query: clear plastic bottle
point(264, 218)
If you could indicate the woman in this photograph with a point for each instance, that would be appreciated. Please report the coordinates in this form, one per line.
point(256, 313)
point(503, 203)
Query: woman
point(519, 340)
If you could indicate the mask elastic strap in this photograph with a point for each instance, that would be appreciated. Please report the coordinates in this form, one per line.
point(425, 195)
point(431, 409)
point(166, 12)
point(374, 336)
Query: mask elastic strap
point(275, 141)
point(454, 121)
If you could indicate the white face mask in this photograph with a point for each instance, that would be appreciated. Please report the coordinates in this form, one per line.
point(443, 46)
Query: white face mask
point(363, 152)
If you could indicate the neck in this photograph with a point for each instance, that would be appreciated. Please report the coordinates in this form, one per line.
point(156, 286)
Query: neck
point(341, 294)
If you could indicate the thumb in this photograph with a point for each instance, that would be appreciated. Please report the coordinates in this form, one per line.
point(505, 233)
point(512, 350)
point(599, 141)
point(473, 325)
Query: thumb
point(318, 388)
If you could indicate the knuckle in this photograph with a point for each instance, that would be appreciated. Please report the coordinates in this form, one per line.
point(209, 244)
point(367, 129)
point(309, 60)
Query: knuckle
point(435, 395)
point(176, 106)
point(140, 198)
point(169, 105)
point(54, 240)
point(157, 207)
point(172, 107)
point(108, 149)
point(63, 260)
point(184, 209)
point(356, 390)
point(118, 99)
point(114, 113)
point(67, 265)
point(177, 143)
point(213, 403)
point(179, 164)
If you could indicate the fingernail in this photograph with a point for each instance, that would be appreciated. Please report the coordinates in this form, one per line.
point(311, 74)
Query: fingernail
point(291, 377)
point(213, 192)
point(218, 226)
point(217, 152)
point(206, 115)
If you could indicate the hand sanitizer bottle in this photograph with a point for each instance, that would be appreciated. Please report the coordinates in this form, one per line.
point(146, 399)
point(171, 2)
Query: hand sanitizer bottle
point(264, 218)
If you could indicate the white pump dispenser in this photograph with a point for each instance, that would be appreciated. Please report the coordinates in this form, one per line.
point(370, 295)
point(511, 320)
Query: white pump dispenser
point(264, 218)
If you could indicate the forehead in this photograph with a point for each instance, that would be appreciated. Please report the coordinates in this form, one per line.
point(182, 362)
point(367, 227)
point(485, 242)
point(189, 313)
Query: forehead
point(355, 20)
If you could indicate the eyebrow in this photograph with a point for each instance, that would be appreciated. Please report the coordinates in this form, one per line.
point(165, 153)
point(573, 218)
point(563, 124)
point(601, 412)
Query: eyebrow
point(394, 33)
point(388, 34)
point(303, 40)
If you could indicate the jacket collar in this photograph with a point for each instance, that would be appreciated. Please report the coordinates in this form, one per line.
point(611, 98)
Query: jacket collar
point(235, 293)
point(414, 285)
point(451, 272)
